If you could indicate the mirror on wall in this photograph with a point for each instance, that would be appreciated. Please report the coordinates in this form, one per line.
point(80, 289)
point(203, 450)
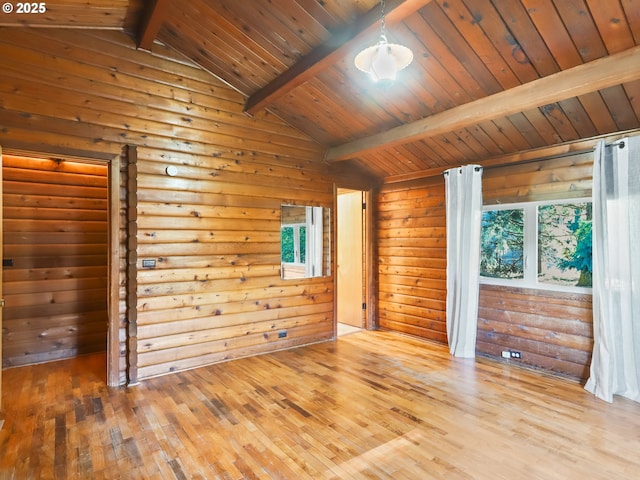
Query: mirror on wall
point(304, 241)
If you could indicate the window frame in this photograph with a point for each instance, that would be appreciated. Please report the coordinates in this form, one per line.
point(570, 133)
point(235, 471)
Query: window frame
point(530, 247)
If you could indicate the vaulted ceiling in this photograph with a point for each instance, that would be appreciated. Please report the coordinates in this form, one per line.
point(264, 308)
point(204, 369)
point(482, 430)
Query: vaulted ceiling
point(490, 78)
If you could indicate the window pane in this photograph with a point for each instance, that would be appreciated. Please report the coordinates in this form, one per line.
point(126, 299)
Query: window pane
point(502, 247)
point(286, 237)
point(564, 244)
point(303, 244)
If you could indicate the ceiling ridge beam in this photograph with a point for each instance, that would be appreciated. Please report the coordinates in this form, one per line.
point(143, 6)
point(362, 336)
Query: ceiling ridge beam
point(152, 19)
point(329, 52)
point(580, 80)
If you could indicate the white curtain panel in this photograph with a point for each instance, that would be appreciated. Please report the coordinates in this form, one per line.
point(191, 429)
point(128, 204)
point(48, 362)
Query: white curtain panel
point(615, 365)
point(463, 188)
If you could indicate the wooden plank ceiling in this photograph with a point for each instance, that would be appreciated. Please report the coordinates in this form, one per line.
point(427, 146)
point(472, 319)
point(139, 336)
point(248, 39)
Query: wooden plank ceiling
point(572, 68)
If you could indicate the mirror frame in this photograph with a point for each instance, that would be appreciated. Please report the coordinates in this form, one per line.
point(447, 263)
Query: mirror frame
point(313, 225)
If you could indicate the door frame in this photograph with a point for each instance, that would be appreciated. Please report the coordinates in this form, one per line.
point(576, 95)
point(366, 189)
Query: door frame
point(350, 291)
point(369, 264)
point(113, 162)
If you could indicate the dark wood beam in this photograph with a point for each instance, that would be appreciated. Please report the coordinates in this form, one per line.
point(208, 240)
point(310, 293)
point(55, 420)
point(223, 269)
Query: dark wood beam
point(589, 77)
point(329, 52)
point(152, 18)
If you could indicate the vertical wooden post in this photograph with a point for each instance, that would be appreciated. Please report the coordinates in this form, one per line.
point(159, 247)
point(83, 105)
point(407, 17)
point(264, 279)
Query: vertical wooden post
point(370, 262)
point(113, 307)
point(132, 265)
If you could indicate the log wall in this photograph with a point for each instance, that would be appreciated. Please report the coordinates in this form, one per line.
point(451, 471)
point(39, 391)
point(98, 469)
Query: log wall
point(215, 291)
point(552, 330)
point(410, 227)
point(55, 253)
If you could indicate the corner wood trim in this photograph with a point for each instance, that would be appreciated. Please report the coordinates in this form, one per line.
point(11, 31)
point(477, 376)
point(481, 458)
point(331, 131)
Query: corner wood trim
point(131, 264)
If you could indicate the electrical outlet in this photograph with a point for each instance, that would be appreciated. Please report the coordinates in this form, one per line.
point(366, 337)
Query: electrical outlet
point(148, 263)
point(282, 334)
point(506, 354)
point(516, 355)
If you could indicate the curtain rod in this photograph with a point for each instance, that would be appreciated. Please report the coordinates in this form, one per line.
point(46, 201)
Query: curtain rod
point(535, 160)
point(618, 143)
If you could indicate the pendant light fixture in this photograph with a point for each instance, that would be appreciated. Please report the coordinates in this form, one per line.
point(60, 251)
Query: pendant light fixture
point(383, 60)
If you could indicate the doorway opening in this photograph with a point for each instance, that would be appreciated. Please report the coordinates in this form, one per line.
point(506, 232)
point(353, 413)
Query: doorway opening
point(350, 272)
point(60, 263)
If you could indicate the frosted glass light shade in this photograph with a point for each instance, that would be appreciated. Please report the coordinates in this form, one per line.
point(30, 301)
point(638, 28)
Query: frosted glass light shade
point(384, 60)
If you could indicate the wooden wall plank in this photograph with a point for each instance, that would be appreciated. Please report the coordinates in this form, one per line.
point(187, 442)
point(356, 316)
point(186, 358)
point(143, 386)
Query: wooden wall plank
point(56, 286)
point(411, 259)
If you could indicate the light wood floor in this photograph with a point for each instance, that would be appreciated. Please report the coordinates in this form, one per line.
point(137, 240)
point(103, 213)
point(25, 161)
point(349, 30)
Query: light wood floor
point(369, 405)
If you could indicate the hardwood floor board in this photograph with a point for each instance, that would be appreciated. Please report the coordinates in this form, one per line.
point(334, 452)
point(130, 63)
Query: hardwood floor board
point(370, 405)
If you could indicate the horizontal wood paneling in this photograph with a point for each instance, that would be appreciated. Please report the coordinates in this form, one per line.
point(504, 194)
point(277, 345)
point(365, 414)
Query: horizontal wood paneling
point(557, 178)
point(213, 229)
point(55, 236)
point(552, 330)
point(220, 248)
point(412, 258)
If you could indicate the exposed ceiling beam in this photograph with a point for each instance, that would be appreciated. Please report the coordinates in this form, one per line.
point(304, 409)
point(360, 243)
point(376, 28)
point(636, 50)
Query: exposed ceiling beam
point(329, 52)
point(580, 80)
point(151, 21)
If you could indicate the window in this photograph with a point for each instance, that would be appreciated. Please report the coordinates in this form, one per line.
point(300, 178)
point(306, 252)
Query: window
point(294, 243)
point(538, 245)
point(502, 243)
